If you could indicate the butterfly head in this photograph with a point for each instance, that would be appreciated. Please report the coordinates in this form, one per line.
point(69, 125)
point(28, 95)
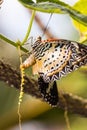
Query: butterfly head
point(36, 43)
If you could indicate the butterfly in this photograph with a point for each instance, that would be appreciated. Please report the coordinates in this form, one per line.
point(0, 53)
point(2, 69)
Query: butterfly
point(52, 59)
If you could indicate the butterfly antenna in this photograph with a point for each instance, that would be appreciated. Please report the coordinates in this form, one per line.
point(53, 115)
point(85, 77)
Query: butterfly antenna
point(47, 24)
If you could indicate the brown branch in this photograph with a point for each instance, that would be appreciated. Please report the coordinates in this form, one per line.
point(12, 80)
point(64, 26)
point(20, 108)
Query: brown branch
point(74, 103)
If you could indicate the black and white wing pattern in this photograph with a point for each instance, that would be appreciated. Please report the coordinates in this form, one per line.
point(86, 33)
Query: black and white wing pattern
point(52, 59)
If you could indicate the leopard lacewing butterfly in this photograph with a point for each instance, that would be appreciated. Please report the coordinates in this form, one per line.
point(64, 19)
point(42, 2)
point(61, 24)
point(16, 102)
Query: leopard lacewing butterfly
point(52, 59)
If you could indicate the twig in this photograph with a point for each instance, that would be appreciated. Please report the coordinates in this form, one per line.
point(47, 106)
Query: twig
point(29, 28)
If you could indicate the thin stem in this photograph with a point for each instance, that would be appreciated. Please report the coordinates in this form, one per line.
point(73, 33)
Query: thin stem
point(67, 119)
point(7, 40)
point(29, 28)
point(12, 42)
point(21, 90)
point(25, 38)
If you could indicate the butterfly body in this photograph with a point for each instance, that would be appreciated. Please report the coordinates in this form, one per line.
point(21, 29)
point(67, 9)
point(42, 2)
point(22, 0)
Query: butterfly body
point(54, 59)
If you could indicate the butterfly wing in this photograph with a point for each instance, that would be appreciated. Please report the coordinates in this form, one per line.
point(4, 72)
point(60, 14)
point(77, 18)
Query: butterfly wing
point(48, 91)
point(58, 58)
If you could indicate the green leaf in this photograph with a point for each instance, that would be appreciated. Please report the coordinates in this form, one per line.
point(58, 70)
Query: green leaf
point(81, 5)
point(55, 6)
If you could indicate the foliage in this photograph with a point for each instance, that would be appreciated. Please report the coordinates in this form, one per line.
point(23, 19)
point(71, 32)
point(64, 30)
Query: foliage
point(56, 6)
point(81, 6)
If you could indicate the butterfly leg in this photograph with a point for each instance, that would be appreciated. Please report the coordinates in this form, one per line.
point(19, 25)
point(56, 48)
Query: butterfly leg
point(48, 91)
